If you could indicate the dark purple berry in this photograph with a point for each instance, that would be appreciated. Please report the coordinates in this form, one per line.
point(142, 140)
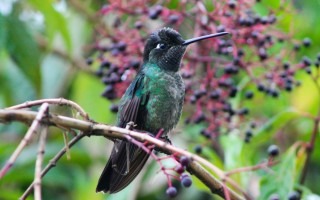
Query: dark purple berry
point(198, 149)
point(115, 78)
point(221, 28)
point(184, 161)
point(233, 92)
point(242, 21)
point(254, 34)
point(247, 139)
point(274, 93)
point(115, 52)
point(199, 93)
point(99, 72)
point(286, 65)
point(171, 192)
point(153, 14)
point(308, 70)
point(268, 38)
point(306, 61)
point(186, 180)
point(135, 64)
point(257, 19)
point(89, 61)
point(232, 4)
point(114, 108)
point(306, 42)
point(240, 52)
point(236, 60)
point(261, 44)
point(249, 94)
point(243, 111)
point(193, 99)
point(253, 125)
point(318, 56)
point(272, 19)
point(200, 118)
point(264, 20)
point(273, 150)
point(205, 133)
point(283, 74)
point(248, 133)
point(249, 22)
point(296, 47)
point(121, 46)
point(288, 87)
point(179, 169)
point(261, 87)
point(262, 54)
point(138, 24)
point(274, 197)
point(186, 75)
point(109, 93)
point(231, 69)
point(215, 94)
point(159, 9)
point(294, 195)
point(173, 19)
point(105, 64)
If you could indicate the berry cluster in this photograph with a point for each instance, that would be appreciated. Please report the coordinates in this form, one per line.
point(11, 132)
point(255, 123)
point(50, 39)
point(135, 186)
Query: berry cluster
point(184, 178)
point(213, 70)
point(253, 61)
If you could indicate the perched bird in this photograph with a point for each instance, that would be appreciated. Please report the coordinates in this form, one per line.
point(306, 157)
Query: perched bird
point(153, 101)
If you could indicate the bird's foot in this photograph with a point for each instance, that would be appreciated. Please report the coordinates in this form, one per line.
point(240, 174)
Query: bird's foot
point(165, 139)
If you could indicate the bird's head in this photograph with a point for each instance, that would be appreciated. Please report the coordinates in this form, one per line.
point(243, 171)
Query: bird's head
point(166, 47)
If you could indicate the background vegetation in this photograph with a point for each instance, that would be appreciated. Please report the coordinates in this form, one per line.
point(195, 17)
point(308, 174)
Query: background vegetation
point(45, 49)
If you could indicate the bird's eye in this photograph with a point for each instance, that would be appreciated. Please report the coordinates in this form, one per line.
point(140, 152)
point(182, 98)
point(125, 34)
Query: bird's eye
point(161, 46)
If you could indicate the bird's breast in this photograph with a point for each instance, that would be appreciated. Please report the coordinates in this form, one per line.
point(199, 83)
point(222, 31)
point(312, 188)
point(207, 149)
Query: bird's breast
point(166, 95)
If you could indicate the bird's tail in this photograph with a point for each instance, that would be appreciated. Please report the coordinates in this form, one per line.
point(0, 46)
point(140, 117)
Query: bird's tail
point(125, 163)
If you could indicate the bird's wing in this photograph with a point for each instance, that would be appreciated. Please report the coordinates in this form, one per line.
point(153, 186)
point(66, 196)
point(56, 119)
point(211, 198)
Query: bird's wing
point(132, 110)
point(134, 103)
point(127, 159)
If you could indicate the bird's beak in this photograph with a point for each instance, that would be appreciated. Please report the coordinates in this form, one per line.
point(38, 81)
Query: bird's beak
point(192, 40)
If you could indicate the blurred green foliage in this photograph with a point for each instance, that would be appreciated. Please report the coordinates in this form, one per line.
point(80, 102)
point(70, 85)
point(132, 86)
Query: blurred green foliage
point(31, 69)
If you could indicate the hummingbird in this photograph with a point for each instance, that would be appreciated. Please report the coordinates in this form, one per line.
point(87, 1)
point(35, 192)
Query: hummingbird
point(153, 102)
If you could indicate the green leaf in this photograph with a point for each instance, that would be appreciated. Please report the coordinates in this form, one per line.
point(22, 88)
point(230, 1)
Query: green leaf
point(55, 21)
point(15, 82)
point(3, 32)
point(23, 50)
point(209, 5)
point(173, 4)
point(53, 69)
point(232, 145)
point(281, 180)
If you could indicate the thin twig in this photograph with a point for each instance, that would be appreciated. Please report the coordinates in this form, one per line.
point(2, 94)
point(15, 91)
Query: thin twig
point(36, 121)
point(58, 101)
point(52, 163)
point(263, 165)
point(37, 176)
point(315, 132)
